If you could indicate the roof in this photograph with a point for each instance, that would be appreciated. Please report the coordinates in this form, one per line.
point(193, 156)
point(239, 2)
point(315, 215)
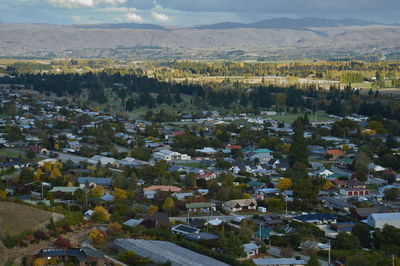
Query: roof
point(163, 251)
point(64, 189)
point(102, 181)
point(263, 233)
point(335, 152)
point(250, 246)
point(163, 188)
point(278, 261)
point(364, 212)
point(241, 202)
point(262, 151)
point(316, 216)
point(185, 229)
point(198, 205)
point(385, 216)
point(132, 222)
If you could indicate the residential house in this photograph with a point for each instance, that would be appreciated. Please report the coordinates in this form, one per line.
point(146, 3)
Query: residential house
point(182, 229)
point(168, 155)
point(37, 149)
point(80, 256)
point(240, 205)
point(200, 207)
point(207, 176)
point(94, 181)
point(317, 218)
point(251, 249)
point(103, 160)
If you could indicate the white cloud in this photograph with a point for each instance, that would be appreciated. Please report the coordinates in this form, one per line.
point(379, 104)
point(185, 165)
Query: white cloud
point(160, 17)
point(84, 3)
point(133, 17)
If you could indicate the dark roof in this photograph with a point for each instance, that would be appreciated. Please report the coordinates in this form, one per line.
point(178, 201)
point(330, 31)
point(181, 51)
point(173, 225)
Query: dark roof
point(102, 181)
point(159, 218)
point(316, 216)
point(185, 229)
point(93, 253)
point(79, 254)
point(364, 212)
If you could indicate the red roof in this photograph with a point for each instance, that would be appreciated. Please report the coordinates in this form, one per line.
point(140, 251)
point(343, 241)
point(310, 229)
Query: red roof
point(234, 147)
point(335, 152)
point(178, 133)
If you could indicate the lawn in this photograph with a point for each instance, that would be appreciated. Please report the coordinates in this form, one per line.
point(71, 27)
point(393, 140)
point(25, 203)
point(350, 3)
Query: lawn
point(17, 154)
point(16, 218)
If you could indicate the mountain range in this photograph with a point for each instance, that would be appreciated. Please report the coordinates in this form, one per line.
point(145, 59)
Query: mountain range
point(272, 39)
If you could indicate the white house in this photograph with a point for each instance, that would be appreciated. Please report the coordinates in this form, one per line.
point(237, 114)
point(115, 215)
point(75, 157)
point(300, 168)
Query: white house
point(169, 155)
point(98, 159)
point(240, 205)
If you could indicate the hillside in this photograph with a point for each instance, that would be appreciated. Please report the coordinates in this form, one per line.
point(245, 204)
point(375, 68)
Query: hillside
point(269, 39)
point(16, 218)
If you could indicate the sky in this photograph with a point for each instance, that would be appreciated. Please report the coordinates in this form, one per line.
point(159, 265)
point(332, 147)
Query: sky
point(191, 12)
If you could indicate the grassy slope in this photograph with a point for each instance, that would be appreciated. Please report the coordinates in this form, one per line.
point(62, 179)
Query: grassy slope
point(16, 218)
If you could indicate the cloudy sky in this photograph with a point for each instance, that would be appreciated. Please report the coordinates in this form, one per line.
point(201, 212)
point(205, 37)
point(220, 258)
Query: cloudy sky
point(191, 12)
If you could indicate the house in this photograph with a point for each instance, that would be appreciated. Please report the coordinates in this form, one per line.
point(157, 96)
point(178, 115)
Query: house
point(363, 213)
point(80, 256)
point(240, 205)
point(334, 154)
point(200, 207)
point(251, 249)
point(182, 229)
point(37, 149)
point(168, 155)
point(278, 262)
point(207, 150)
point(64, 189)
point(351, 187)
point(102, 160)
point(132, 222)
point(156, 219)
point(207, 176)
point(94, 181)
point(75, 145)
point(272, 220)
point(317, 218)
point(262, 233)
point(379, 220)
point(163, 252)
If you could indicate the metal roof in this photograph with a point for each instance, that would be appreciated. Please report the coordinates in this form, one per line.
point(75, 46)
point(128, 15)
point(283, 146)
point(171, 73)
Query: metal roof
point(163, 251)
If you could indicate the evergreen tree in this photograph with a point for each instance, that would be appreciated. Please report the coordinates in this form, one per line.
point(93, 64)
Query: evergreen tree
point(298, 150)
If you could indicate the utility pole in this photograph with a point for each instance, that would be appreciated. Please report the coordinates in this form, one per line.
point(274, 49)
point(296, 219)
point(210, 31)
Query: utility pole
point(188, 216)
point(329, 254)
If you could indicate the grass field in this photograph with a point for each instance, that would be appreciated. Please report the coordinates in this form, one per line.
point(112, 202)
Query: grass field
point(17, 218)
point(16, 154)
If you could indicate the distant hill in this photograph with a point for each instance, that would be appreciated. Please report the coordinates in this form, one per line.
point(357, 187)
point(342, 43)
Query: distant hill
point(289, 23)
point(272, 39)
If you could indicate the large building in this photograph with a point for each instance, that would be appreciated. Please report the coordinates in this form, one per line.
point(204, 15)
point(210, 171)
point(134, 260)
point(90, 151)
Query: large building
point(379, 220)
point(163, 252)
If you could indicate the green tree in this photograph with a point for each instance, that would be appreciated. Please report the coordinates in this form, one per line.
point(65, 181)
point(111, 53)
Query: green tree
point(313, 261)
point(80, 195)
point(362, 231)
point(346, 241)
point(298, 150)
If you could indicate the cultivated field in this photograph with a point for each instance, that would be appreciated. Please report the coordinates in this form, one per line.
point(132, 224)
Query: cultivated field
point(16, 218)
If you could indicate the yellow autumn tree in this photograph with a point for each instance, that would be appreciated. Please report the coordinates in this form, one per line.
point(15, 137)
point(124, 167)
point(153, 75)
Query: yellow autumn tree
point(97, 192)
point(39, 262)
point(56, 146)
point(96, 236)
point(100, 214)
point(120, 195)
point(58, 165)
point(55, 173)
point(152, 209)
point(284, 184)
point(3, 194)
point(47, 166)
point(328, 185)
point(169, 204)
point(38, 175)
